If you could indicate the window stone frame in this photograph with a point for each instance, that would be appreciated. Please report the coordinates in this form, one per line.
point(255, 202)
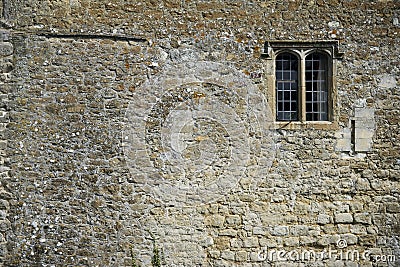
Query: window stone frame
point(302, 49)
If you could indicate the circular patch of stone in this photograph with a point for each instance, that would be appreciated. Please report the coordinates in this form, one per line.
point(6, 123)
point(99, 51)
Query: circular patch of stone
point(194, 130)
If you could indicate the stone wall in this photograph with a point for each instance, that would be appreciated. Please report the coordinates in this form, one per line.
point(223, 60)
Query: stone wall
point(6, 196)
point(127, 126)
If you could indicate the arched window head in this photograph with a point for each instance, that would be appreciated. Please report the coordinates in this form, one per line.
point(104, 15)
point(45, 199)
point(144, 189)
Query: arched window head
point(316, 78)
point(287, 87)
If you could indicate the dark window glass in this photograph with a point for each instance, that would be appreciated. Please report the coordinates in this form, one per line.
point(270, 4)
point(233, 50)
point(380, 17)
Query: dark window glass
point(286, 87)
point(316, 87)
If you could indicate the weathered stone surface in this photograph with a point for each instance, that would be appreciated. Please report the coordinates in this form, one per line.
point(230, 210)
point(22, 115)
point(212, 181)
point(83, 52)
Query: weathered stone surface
point(233, 220)
point(279, 230)
point(228, 255)
point(215, 220)
point(241, 256)
point(393, 207)
point(292, 242)
point(5, 225)
point(344, 218)
point(364, 218)
point(70, 69)
point(250, 242)
point(228, 232)
point(6, 49)
point(350, 239)
point(323, 219)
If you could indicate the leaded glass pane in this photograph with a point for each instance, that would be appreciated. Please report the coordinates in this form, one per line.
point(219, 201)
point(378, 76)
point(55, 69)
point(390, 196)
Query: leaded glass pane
point(286, 87)
point(316, 87)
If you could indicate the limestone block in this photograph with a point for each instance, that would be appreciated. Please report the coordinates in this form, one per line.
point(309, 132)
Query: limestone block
point(4, 35)
point(326, 240)
point(393, 207)
point(343, 228)
point(292, 241)
point(364, 133)
point(215, 220)
point(222, 242)
point(330, 228)
point(228, 232)
point(387, 81)
point(363, 145)
point(208, 241)
point(213, 208)
point(299, 230)
point(358, 229)
point(270, 242)
point(259, 231)
point(367, 113)
point(355, 264)
point(214, 254)
point(371, 230)
point(6, 49)
point(250, 242)
point(271, 220)
point(241, 255)
point(307, 240)
point(323, 219)
point(364, 123)
point(232, 220)
point(343, 207)
point(4, 204)
point(367, 240)
point(363, 184)
point(364, 218)
point(335, 263)
point(255, 257)
point(351, 239)
point(343, 144)
point(228, 255)
point(5, 225)
point(236, 243)
point(343, 218)
point(279, 231)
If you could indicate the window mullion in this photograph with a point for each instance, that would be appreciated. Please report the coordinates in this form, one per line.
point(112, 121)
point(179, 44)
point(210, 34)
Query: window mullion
point(302, 93)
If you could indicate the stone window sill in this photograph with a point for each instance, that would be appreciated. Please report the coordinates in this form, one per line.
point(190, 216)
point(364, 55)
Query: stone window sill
point(299, 125)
